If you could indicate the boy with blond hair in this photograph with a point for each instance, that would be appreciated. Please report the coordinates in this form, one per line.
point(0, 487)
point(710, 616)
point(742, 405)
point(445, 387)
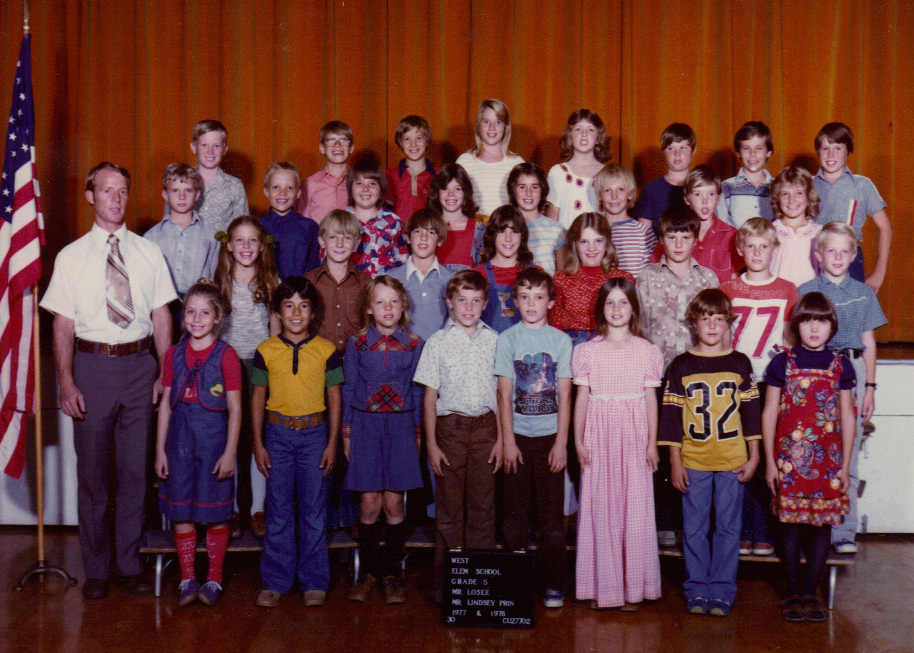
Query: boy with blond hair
point(339, 283)
point(295, 237)
point(224, 198)
point(763, 304)
point(859, 315)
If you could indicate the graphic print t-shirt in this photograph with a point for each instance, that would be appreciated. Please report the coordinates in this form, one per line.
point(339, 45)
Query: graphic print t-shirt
point(535, 359)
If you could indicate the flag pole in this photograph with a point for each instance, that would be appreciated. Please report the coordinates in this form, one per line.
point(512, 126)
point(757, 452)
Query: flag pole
point(41, 568)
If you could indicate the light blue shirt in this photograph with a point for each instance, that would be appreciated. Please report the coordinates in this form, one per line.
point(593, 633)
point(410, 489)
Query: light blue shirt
point(427, 307)
point(849, 199)
point(191, 252)
point(856, 308)
point(534, 359)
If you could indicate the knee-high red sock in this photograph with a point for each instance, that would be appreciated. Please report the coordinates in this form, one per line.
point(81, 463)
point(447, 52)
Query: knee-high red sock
point(185, 543)
point(216, 544)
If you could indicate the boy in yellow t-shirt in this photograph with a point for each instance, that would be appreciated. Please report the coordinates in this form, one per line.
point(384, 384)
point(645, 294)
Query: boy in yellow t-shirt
point(299, 448)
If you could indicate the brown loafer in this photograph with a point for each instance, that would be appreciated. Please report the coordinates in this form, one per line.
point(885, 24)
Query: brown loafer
point(259, 525)
point(360, 593)
point(394, 590)
point(135, 584)
point(95, 589)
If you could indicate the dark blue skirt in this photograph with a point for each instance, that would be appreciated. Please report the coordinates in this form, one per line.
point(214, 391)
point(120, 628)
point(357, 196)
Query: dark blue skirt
point(383, 453)
point(196, 441)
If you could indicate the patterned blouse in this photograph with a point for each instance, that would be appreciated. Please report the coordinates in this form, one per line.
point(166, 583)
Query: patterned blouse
point(383, 243)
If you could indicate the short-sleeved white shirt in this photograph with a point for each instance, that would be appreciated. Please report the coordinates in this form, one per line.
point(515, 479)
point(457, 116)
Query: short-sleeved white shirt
point(461, 369)
point(77, 287)
point(490, 180)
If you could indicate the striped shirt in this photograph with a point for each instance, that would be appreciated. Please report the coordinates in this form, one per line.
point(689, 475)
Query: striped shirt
point(248, 324)
point(546, 237)
point(634, 241)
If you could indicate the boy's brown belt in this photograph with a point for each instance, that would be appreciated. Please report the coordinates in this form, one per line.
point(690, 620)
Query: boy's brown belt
point(113, 351)
point(295, 423)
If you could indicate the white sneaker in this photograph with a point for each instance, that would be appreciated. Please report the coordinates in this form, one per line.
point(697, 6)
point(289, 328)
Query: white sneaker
point(845, 546)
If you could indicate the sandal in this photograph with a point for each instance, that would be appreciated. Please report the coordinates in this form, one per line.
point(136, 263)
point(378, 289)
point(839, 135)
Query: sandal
point(813, 610)
point(792, 609)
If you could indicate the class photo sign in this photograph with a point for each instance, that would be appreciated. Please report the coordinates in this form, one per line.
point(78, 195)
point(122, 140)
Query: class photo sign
point(489, 588)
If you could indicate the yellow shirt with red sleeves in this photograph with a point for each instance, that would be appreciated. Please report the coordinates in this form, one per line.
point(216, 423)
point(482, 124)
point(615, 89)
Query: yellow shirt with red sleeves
point(710, 409)
point(297, 374)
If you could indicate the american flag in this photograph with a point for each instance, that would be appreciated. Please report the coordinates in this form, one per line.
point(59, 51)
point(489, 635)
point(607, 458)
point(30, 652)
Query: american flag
point(21, 238)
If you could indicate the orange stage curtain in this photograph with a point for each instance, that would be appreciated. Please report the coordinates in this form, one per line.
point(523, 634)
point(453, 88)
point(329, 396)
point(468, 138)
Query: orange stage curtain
point(125, 81)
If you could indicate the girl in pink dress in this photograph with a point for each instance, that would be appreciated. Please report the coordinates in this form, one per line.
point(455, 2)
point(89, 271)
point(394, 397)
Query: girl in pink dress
point(795, 205)
point(615, 435)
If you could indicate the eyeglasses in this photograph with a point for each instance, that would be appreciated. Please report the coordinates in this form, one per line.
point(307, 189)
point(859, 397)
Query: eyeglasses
point(333, 142)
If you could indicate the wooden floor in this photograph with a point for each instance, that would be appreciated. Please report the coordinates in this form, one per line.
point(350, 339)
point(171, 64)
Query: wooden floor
point(873, 613)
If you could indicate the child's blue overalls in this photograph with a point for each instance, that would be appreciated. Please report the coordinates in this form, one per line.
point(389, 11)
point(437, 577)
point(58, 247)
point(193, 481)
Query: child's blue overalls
point(196, 439)
point(500, 312)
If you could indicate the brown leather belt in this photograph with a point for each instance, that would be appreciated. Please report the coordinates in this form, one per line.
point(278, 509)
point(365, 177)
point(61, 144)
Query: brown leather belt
point(113, 351)
point(295, 423)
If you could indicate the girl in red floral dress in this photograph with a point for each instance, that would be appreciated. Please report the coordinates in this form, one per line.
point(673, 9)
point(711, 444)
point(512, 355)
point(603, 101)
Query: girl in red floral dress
point(808, 429)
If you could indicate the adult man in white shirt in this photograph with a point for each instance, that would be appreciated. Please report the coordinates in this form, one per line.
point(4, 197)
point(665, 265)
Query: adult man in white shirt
point(109, 294)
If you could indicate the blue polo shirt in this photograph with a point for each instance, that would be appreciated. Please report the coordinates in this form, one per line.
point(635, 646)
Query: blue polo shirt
point(850, 198)
point(855, 305)
point(295, 242)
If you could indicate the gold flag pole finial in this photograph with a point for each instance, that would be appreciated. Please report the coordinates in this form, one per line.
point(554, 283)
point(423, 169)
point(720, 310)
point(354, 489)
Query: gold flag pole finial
point(25, 16)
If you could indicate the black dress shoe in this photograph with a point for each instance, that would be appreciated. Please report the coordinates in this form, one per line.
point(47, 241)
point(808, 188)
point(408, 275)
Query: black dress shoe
point(95, 588)
point(136, 584)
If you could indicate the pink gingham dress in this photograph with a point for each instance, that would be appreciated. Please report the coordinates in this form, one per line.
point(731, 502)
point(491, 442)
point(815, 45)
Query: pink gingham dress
point(617, 559)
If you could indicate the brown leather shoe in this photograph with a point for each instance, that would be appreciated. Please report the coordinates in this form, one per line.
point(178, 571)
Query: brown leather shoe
point(259, 525)
point(394, 590)
point(136, 584)
point(95, 589)
point(360, 593)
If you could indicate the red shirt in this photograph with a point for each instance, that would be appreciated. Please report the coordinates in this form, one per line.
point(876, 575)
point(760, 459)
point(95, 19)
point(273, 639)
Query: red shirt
point(458, 248)
point(503, 276)
point(576, 296)
point(717, 251)
point(231, 369)
point(400, 189)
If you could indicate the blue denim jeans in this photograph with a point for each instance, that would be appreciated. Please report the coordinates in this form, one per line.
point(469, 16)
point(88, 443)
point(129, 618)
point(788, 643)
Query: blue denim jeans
point(711, 566)
point(295, 456)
